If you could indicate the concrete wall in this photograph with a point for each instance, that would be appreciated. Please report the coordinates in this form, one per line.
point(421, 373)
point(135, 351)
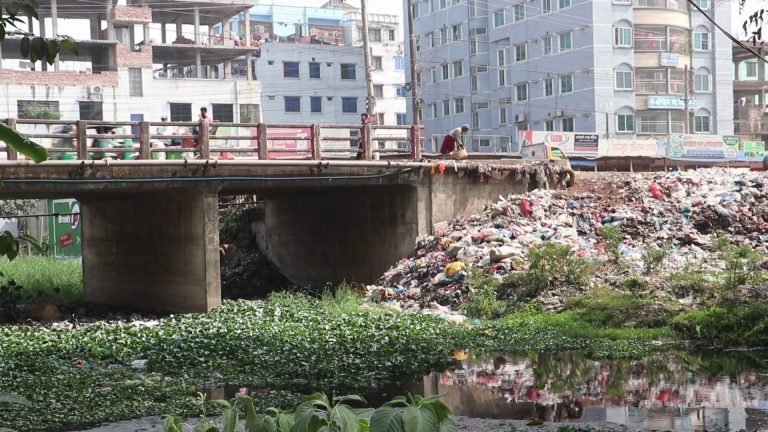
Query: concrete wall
point(154, 250)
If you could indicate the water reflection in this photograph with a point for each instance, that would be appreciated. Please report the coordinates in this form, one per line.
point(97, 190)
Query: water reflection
point(670, 391)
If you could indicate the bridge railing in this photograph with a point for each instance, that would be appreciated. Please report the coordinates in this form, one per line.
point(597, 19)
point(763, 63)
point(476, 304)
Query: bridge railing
point(95, 139)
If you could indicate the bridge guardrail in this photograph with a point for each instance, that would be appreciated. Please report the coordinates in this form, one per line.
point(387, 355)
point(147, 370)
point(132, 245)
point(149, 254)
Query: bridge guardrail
point(87, 139)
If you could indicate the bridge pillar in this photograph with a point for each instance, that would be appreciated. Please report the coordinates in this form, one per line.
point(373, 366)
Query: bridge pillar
point(324, 236)
point(155, 250)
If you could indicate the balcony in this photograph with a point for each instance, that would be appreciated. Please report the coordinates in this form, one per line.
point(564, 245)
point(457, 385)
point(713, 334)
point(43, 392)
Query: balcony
point(654, 43)
point(651, 87)
point(659, 126)
point(679, 5)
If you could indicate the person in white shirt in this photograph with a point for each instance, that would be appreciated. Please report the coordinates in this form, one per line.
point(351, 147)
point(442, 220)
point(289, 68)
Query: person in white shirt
point(454, 140)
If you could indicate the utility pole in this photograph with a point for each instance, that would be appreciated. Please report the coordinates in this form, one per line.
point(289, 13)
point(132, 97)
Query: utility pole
point(367, 49)
point(412, 53)
point(686, 116)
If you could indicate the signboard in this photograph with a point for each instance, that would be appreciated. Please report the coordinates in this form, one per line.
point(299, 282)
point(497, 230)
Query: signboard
point(564, 140)
point(669, 59)
point(636, 148)
point(65, 228)
point(669, 102)
point(288, 148)
point(586, 143)
point(701, 147)
point(754, 150)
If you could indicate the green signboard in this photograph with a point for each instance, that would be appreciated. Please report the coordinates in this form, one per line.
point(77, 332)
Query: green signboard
point(754, 149)
point(64, 228)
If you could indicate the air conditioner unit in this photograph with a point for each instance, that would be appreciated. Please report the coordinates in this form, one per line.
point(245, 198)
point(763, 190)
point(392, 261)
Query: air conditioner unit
point(95, 93)
point(519, 118)
point(558, 113)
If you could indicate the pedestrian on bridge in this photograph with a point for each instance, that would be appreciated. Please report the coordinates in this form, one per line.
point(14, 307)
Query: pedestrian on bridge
point(454, 140)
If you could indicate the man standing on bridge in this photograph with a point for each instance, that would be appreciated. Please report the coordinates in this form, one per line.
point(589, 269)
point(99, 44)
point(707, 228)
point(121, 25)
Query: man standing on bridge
point(453, 141)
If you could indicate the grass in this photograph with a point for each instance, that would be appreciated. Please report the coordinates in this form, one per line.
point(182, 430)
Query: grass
point(46, 278)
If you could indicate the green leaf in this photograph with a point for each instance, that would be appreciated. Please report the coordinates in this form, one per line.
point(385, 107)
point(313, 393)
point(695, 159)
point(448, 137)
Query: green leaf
point(38, 49)
point(319, 399)
point(205, 425)
point(449, 425)
point(346, 398)
point(229, 417)
point(9, 246)
point(29, 10)
point(386, 419)
point(250, 411)
point(52, 51)
point(441, 409)
point(14, 399)
point(33, 242)
point(284, 422)
point(26, 45)
point(2, 33)
point(22, 144)
point(365, 425)
point(348, 419)
point(420, 419)
point(12, 8)
point(69, 44)
point(172, 424)
point(397, 400)
point(431, 399)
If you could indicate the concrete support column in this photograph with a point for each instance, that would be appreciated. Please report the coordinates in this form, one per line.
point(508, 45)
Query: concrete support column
point(43, 62)
point(227, 69)
point(110, 24)
point(96, 27)
point(162, 33)
point(249, 67)
point(226, 33)
point(178, 31)
point(146, 34)
point(55, 28)
point(247, 30)
point(152, 250)
point(198, 65)
point(196, 18)
point(356, 233)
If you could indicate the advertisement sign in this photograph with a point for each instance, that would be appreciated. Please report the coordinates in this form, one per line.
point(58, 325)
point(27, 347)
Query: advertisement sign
point(64, 228)
point(288, 148)
point(669, 102)
point(564, 140)
point(587, 143)
point(669, 59)
point(636, 148)
point(754, 150)
point(700, 147)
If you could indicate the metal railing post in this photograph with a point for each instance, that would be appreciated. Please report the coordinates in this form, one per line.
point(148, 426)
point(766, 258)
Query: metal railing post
point(315, 143)
point(205, 151)
point(263, 148)
point(144, 140)
point(81, 127)
point(368, 150)
point(12, 154)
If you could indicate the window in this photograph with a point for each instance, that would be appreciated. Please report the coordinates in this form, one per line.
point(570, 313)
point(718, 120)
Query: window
point(435, 112)
point(566, 124)
point(349, 104)
point(458, 69)
point(250, 113)
point(498, 18)
point(374, 35)
point(446, 107)
point(546, 6)
point(314, 70)
point(399, 63)
point(391, 34)
point(704, 4)
point(378, 90)
point(472, 8)
point(521, 52)
point(549, 125)
point(401, 92)
point(549, 87)
point(290, 69)
point(444, 71)
point(751, 66)
point(501, 57)
point(135, 87)
point(456, 32)
point(380, 118)
point(622, 37)
point(504, 144)
point(458, 105)
point(566, 41)
point(292, 103)
point(566, 84)
point(377, 63)
point(502, 115)
point(701, 121)
point(316, 104)
point(701, 40)
point(624, 80)
point(473, 83)
point(625, 122)
point(179, 112)
point(521, 92)
point(473, 46)
point(31, 109)
point(401, 119)
point(443, 36)
point(519, 11)
point(502, 77)
point(702, 81)
point(475, 119)
point(547, 46)
point(564, 4)
point(348, 71)
point(481, 68)
point(223, 112)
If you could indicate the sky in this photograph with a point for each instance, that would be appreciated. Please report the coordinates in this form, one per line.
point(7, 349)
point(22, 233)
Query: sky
point(392, 7)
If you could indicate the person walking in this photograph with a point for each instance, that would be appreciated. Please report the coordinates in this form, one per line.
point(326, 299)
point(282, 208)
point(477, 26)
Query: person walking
point(454, 140)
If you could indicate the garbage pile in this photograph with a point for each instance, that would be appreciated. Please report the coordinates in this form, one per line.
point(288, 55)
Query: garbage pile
point(683, 211)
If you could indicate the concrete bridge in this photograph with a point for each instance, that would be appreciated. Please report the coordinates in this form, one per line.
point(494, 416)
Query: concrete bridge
point(151, 233)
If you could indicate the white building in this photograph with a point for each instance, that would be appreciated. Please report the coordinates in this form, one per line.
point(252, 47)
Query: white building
point(136, 62)
point(612, 67)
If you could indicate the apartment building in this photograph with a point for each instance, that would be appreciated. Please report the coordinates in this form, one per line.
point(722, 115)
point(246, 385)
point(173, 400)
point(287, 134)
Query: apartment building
point(750, 85)
point(137, 61)
point(312, 65)
point(618, 68)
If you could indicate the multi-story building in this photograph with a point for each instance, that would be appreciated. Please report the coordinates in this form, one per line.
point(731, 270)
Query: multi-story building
point(750, 88)
point(616, 68)
point(312, 66)
point(138, 61)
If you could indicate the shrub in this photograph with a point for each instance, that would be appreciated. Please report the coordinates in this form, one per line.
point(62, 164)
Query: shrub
point(483, 301)
point(653, 258)
point(551, 265)
point(731, 326)
point(613, 235)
